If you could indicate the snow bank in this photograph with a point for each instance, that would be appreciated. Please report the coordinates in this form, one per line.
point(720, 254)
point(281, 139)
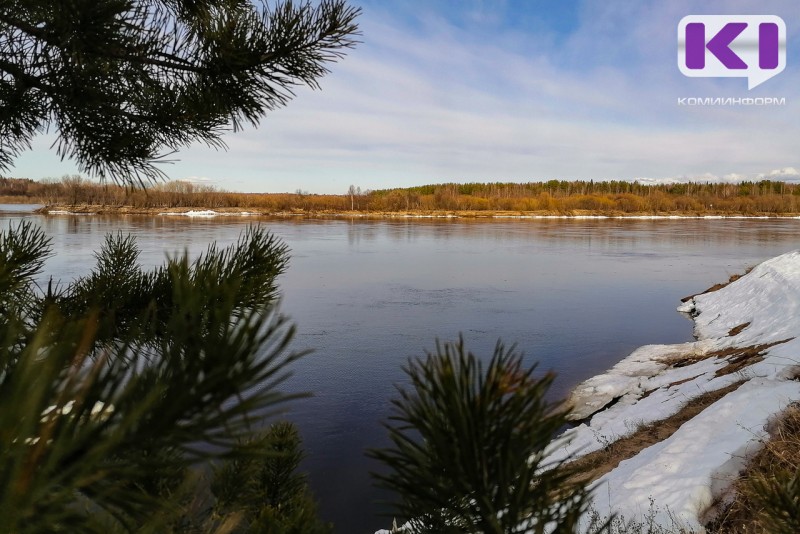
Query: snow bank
point(192, 213)
point(680, 477)
point(683, 474)
point(211, 213)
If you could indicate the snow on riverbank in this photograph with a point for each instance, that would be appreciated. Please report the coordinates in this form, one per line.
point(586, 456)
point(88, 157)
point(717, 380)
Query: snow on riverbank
point(748, 339)
point(747, 332)
point(192, 213)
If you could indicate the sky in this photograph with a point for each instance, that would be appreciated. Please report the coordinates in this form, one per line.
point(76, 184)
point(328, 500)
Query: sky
point(507, 90)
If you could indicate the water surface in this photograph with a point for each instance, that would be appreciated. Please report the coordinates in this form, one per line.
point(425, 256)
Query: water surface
point(574, 295)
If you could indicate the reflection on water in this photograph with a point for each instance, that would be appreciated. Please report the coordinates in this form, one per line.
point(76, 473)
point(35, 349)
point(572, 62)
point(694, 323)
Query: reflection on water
point(575, 295)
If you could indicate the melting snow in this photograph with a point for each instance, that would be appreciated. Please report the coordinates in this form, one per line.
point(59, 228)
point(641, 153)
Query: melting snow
point(684, 473)
point(192, 213)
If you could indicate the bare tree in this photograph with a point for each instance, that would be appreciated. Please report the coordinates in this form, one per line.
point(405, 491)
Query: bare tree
point(352, 191)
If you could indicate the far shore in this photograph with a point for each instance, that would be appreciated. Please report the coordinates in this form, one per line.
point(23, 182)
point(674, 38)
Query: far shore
point(86, 209)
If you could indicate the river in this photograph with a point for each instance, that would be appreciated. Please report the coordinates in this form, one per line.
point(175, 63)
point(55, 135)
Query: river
point(576, 295)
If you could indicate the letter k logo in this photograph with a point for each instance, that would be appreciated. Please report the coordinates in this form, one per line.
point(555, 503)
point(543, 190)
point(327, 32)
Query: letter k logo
point(719, 45)
point(732, 46)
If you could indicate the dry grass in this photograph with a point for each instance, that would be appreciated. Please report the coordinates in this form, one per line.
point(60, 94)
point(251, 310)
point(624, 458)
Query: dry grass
point(13, 199)
point(737, 358)
point(766, 495)
point(595, 464)
point(717, 287)
point(592, 466)
point(736, 330)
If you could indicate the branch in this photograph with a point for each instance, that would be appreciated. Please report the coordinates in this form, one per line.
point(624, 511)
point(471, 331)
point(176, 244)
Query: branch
point(21, 76)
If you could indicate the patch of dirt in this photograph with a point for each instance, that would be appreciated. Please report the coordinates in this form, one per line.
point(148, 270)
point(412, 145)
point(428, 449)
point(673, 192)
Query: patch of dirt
point(736, 330)
point(671, 384)
point(717, 287)
point(737, 357)
point(593, 465)
point(679, 382)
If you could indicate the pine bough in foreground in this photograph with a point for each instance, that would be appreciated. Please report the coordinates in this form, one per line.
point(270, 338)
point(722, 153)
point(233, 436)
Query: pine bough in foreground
point(469, 446)
point(115, 383)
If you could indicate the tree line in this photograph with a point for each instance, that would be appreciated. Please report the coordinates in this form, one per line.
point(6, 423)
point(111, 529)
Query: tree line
point(765, 197)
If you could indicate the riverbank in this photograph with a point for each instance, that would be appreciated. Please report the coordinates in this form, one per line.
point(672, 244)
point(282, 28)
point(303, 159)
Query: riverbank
point(763, 198)
point(90, 209)
point(707, 405)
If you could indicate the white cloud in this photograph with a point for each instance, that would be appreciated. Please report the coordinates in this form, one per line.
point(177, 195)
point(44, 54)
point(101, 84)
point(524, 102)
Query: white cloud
point(203, 180)
point(785, 174)
point(790, 171)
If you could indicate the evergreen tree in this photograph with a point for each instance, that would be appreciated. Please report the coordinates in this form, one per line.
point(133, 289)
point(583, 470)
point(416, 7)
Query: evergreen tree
point(127, 82)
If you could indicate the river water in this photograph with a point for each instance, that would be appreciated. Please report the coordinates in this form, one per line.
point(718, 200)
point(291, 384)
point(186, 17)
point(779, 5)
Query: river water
point(576, 295)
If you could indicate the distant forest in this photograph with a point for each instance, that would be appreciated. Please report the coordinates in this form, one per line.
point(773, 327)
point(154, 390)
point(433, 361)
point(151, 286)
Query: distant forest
point(764, 197)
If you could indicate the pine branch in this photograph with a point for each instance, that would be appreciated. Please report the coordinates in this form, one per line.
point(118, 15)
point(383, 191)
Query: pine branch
point(121, 81)
point(469, 447)
point(127, 374)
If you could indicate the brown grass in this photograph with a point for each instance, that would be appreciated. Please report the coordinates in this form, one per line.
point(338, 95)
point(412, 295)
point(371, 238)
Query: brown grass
point(779, 458)
point(595, 464)
point(9, 199)
point(736, 330)
point(737, 357)
point(717, 287)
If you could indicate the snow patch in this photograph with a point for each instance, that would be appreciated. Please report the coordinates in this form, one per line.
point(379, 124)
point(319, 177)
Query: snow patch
point(193, 213)
point(67, 212)
point(684, 473)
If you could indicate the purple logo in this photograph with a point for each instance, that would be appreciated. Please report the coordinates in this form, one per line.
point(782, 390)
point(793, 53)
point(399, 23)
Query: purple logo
point(742, 46)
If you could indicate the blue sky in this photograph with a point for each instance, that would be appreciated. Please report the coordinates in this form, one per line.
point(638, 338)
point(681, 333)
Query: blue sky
point(508, 90)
